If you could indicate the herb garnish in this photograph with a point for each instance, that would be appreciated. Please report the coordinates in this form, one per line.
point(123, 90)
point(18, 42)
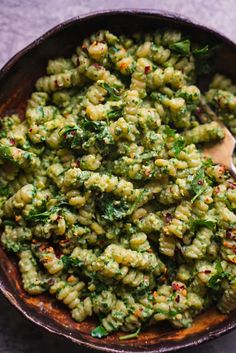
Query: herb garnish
point(99, 332)
point(4, 190)
point(196, 223)
point(70, 262)
point(130, 336)
point(182, 47)
point(113, 92)
point(169, 132)
point(213, 282)
point(178, 145)
point(112, 209)
point(197, 185)
point(201, 52)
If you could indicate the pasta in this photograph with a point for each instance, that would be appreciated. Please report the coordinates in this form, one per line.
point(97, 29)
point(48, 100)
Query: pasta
point(105, 195)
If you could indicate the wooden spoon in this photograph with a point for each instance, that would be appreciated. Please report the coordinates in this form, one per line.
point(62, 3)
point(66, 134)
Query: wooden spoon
point(222, 151)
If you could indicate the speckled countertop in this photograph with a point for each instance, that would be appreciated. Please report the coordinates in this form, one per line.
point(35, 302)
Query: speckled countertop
point(21, 21)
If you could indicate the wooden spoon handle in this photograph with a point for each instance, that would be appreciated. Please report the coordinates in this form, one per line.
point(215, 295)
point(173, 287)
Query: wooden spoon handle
point(232, 170)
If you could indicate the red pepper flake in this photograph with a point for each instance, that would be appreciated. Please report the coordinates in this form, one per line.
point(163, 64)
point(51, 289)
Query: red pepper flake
point(231, 234)
point(51, 282)
point(97, 65)
point(73, 133)
point(168, 217)
point(176, 286)
point(207, 272)
point(58, 217)
point(177, 299)
point(200, 182)
point(150, 250)
point(78, 163)
point(222, 168)
point(64, 241)
point(30, 130)
point(12, 142)
point(58, 252)
point(65, 136)
point(231, 185)
point(217, 190)
point(147, 172)
point(199, 111)
point(42, 247)
point(147, 69)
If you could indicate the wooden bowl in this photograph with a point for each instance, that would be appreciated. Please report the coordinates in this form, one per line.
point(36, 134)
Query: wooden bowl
point(17, 80)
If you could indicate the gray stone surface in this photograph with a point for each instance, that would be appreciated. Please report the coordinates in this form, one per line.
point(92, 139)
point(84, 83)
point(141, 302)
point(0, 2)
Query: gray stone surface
point(21, 21)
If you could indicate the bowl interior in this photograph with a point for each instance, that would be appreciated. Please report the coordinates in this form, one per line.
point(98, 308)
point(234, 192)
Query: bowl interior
point(17, 80)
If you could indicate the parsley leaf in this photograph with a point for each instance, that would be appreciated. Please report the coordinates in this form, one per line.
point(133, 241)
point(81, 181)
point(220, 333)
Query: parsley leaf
point(115, 112)
point(130, 336)
point(198, 181)
point(112, 91)
point(178, 145)
point(4, 190)
point(112, 209)
point(169, 132)
point(73, 136)
point(113, 49)
point(213, 282)
point(43, 216)
point(203, 223)
point(9, 222)
point(70, 262)
point(182, 47)
point(5, 152)
point(40, 216)
point(154, 47)
point(208, 162)
point(201, 52)
point(99, 332)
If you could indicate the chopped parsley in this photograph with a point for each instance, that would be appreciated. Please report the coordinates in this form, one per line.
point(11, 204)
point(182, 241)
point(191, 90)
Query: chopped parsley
point(112, 209)
point(99, 332)
point(181, 47)
point(130, 336)
point(201, 52)
point(115, 112)
point(213, 282)
point(113, 92)
point(169, 132)
point(4, 190)
point(9, 222)
point(178, 145)
point(196, 223)
point(70, 262)
point(43, 216)
point(197, 185)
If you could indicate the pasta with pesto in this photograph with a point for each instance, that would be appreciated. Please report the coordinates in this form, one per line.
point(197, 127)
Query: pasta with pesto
point(106, 198)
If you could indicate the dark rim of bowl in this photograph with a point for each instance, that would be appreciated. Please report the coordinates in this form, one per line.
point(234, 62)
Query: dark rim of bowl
point(173, 18)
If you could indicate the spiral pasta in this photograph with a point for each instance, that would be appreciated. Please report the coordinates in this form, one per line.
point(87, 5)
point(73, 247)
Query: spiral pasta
point(105, 194)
